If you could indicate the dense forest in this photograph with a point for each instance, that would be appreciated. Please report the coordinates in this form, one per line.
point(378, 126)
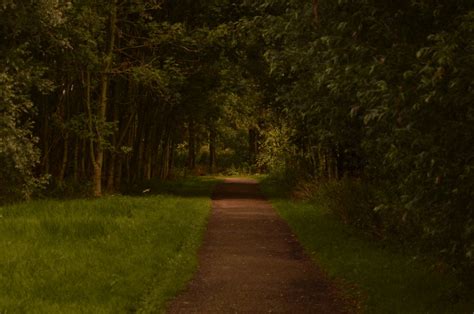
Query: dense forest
point(371, 99)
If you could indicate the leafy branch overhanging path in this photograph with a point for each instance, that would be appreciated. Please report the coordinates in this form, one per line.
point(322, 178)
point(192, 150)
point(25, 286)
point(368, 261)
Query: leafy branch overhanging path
point(250, 262)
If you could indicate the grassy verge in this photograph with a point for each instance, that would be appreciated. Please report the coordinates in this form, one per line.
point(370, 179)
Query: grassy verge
point(388, 280)
point(112, 255)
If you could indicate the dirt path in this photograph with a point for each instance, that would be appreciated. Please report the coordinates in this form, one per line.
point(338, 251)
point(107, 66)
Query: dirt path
point(250, 262)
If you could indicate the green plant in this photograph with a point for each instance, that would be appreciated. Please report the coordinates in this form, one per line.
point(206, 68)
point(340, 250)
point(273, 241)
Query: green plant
point(115, 254)
point(383, 276)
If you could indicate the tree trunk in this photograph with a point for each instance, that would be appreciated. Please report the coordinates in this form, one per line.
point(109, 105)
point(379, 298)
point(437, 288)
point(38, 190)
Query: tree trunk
point(111, 173)
point(191, 163)
point(165, 158)
point(212, 149)
point(112, 158)
point(83, 159)
point(103, 101)
point(140, 152)
point(171, 159)
point(253, 148)
point(148, 155)
point(315, 10)
point(314, 159)
point(118, 174)
point(62, 168)
point(46, 145)
point(75, 163)
point(341, 169)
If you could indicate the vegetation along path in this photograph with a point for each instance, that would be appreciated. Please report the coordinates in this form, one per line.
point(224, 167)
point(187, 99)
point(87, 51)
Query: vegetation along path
point(251, 262)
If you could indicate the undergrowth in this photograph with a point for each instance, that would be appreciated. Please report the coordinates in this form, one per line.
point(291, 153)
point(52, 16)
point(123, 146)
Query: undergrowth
point(390, 276)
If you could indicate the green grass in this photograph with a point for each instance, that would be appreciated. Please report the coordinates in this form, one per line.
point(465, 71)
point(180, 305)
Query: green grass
point(112, 255)
point(387, 280)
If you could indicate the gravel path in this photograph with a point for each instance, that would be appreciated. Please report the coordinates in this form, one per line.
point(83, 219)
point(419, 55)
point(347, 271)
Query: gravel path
point(250, 262)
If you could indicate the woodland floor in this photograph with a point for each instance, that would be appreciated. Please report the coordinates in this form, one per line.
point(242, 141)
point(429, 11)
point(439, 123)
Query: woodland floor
point(251, 262)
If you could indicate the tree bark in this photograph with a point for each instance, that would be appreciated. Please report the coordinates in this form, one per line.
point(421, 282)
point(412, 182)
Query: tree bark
point(110, 186)
point(140, 153)
point(171, 159)
point(315, 10)
point(165, 158)
point(62, 169)
point(111, 173)
point(103, 101)
point(45, 138)
point(253, 146)
point(75, 162)
point(191, 163)
point(212, 149)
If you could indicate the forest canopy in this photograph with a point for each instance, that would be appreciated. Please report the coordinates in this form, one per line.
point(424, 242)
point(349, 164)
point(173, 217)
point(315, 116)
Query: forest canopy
point(375, 96)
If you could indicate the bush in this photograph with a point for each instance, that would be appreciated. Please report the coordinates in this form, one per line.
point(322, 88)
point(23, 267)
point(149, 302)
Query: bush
point(374, 209)
point(349, 199)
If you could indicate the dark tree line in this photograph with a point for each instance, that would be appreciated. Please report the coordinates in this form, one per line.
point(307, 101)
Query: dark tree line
point(375, 93)
point(378, 96)
point(105, 92)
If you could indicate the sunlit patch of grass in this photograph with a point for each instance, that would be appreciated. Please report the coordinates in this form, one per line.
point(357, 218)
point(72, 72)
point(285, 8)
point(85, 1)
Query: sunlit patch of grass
point(111, 255)
point(388, 280)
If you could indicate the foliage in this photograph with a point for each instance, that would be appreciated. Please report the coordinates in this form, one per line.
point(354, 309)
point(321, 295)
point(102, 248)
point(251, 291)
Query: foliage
point(382, 91)
point(20, 76)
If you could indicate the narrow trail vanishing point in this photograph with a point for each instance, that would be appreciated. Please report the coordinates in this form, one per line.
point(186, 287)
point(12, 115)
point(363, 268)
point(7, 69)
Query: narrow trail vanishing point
point(250, 262)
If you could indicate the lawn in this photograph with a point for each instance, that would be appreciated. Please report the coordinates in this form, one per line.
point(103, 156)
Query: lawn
point(385, 279)
point(112, 255)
